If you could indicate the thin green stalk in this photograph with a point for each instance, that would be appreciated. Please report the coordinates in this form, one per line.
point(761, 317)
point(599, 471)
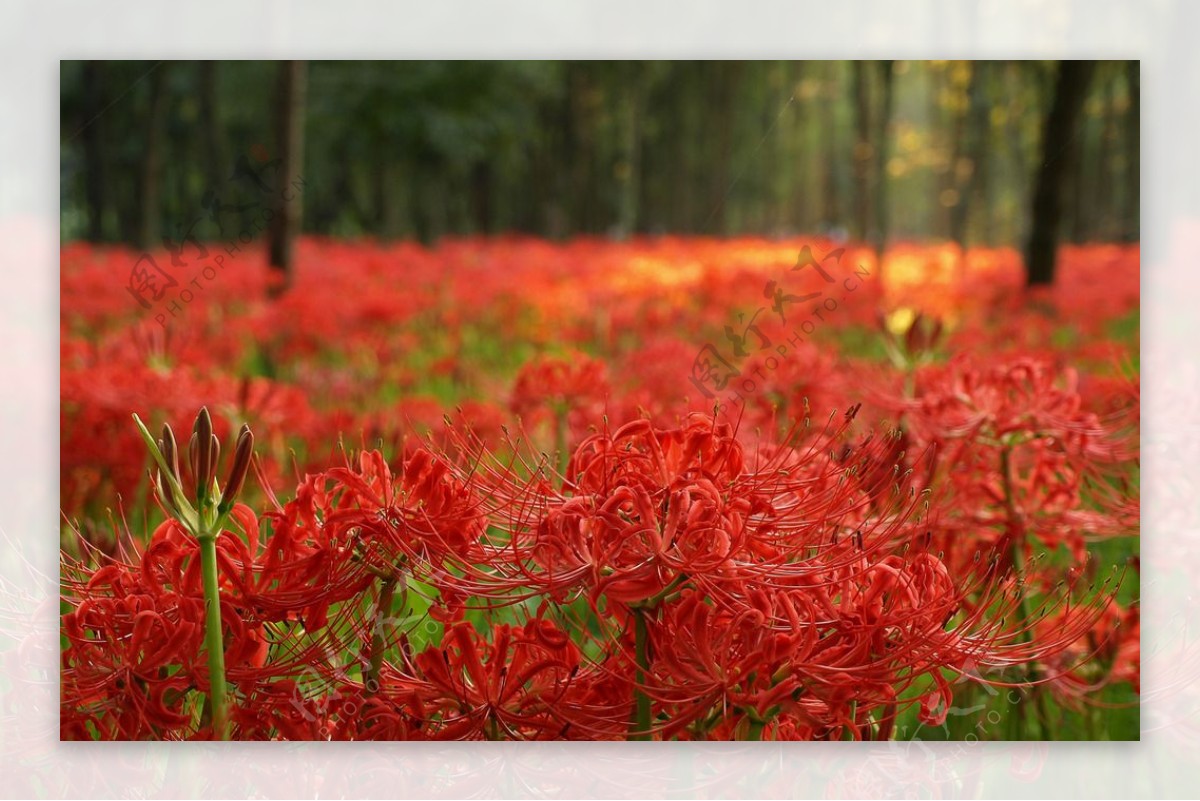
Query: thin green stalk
point(1018, 566)
point(641, 720)
point(387, 591)
point(213, 639)
point(851, 731)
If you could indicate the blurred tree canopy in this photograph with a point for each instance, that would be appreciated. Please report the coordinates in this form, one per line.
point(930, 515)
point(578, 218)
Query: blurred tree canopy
point(424, 149)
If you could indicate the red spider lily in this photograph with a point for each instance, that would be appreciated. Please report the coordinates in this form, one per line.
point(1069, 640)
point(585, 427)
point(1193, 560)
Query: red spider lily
point(713, 662)
point(545, 385)
point(777, 571)
point(775, 591)
point(568, 394)
point(645, 507)
point(420, 514)
point(122, 644)
point(1010, 403)
point(1110, 652)
point(510, 688)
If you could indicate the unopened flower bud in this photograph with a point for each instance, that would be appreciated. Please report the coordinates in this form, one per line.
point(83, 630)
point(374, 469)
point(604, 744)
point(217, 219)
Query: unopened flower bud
point(242, 454)
point(214, 458)
point(170, 450)
point(193, 455)
point(202, 443)
point(170, 454)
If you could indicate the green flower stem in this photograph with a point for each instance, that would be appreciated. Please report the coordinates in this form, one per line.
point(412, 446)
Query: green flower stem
point(205, 521)
point(387, 591)
point(213, 639)
point(641, 720)
point(1018, 559)
point(851, 731)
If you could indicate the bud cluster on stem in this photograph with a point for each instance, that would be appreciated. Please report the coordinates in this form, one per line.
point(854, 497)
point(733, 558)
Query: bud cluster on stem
point(205, 520)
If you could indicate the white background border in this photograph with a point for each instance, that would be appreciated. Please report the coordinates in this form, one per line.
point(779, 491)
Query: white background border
point(35, 35)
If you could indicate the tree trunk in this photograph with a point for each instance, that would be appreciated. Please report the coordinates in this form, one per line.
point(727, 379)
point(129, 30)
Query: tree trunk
point(630, 164)
point(826, 131)
point(1131, 212)
point(1058, 141)
point(545, 211)
point(969, 154)
point(149, 211)
point(983, 164)
point(1104, 203)
point(692, 153)
point(581, 136)
point(93, 148)
point(215, 170)
point(285, 222)
point(784, 171)
point(728, 74)
point(882, 139)
point(862, 153)
point(1016, 76)
point(1077, 188)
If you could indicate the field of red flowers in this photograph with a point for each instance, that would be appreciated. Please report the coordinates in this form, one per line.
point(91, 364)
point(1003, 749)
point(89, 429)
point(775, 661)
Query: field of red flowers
point(671, 488)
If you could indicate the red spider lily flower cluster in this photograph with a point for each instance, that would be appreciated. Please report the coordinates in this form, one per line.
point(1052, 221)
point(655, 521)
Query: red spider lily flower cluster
point(1024, 465)
point(670, 585)
point(568, 393)
point(459, 526)
point(330, 357)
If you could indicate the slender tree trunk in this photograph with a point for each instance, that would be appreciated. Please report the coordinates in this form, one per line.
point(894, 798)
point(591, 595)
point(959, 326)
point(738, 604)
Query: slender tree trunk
point(950, 131)
point(215, 170)
point(983, 164)
point(127, 197)
point(546, 211)
point(805, 187)
point(1104, 203)
point(692, 153)
point(630, 164)
point(830, 190)
point(285, 223)
point(695, 154)
point(862, 153)
point(728, 74)
point(150, 179)
point(1058, 139)
point(1077, 188)
point(582, 196)
point(970, 154)
point(1131, 213)
point(785, 168)
point(1018, 155)
point(93, 148)
point(882, 152)
point(580, 137)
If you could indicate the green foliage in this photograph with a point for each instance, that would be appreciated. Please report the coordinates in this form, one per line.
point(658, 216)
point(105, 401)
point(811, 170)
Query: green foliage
point(422, 149)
